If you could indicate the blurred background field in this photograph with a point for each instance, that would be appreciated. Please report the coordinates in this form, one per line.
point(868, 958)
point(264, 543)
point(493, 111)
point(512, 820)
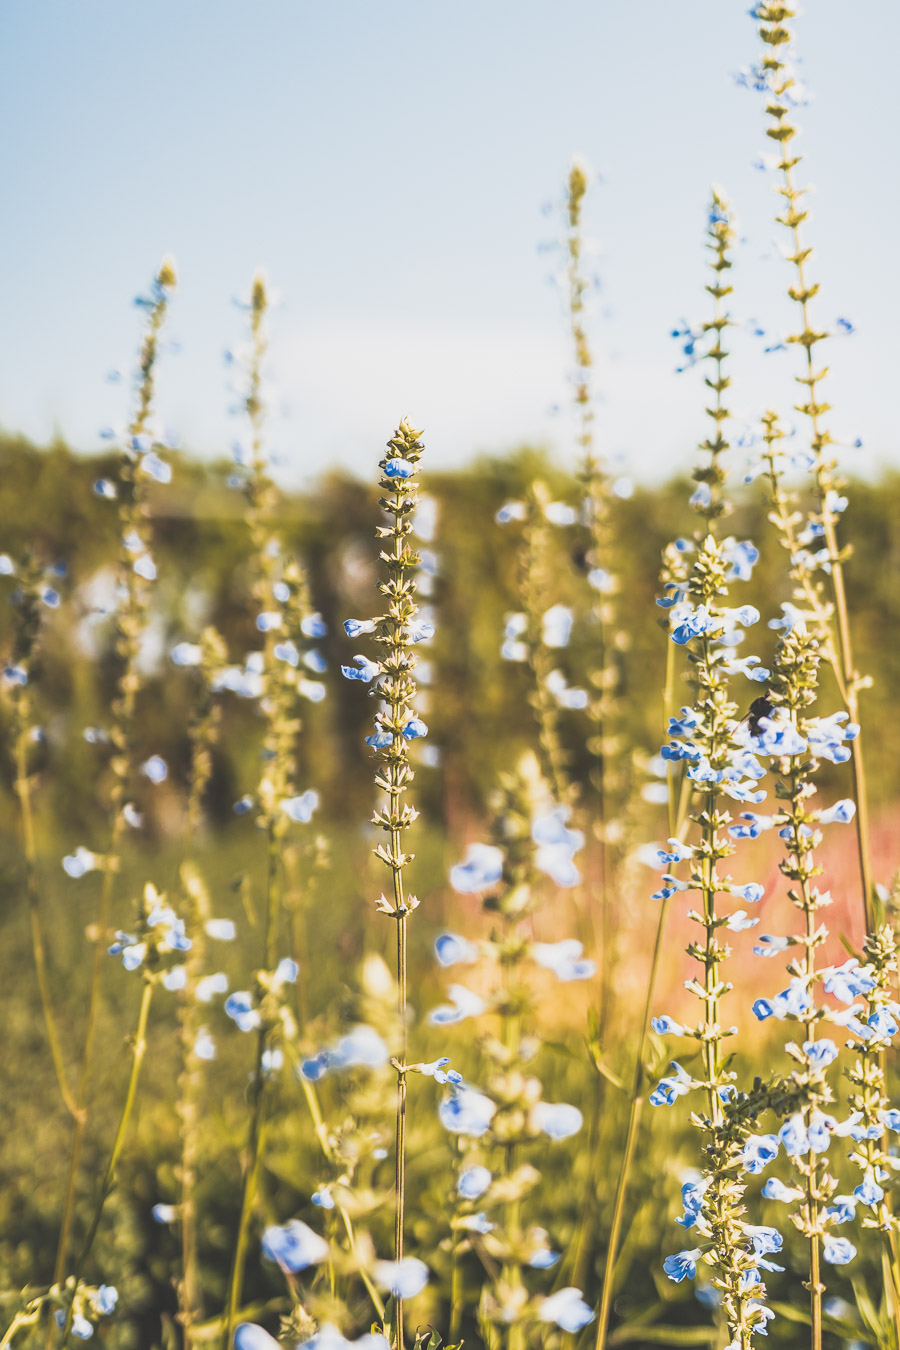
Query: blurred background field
point(480, 720)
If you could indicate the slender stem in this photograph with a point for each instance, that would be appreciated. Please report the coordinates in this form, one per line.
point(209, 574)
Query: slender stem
point(257, 1115)
point(456, 1294)
point(892, 1256)
point(189, 1106)
point(23, 792)
point(400, 1135)
point(815, 409)
point(533, 576)
point(615, 1231)
point(109, 1176)
point(635, 1110)
point(677, 815)
point(129, 627)
point(321, 1132)
point(815, 1291)
point(26, 1317)
point(248, 1194)
point(397, 689)
point(81, 1119)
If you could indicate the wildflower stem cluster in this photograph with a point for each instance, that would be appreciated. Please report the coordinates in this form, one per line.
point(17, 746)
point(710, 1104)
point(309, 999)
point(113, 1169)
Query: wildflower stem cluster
point(781, 87)
point(395, 726)
point(136, 570)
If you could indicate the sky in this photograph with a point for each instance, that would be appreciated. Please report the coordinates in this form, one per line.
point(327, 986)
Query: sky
point(396, 166)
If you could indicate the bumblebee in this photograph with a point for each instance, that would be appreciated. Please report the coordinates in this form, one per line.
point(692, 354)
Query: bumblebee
point(759, 708)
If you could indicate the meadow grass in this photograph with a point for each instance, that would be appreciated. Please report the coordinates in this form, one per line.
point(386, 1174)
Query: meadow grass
point(247, 1110)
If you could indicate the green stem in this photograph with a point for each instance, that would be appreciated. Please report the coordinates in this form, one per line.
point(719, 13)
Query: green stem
point(845, 669)
point(677, 815)
point(400, 1130)
point(109, 1176)
point(815, 1290)
point(321, 1132)
point(456, 1294)
point(257, 1116)
point(23, 792)
point(248, 1194)
point(81, 1119)
point(635, 1109)
point(24, 1318)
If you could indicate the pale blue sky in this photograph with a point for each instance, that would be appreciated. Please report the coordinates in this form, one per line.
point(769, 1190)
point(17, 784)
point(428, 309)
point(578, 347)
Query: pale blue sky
point(387, 161)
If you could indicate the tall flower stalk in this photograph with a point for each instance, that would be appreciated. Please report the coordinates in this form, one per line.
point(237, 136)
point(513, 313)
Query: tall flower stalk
point(785, 729)
point(530, 842)
point(396, 724)
point(605, 673)
point(793, 685)
point(714, 567)
point(880, 1022)
point(203, 734)
point(285, 619)
point(776, 77)
point(33, 594)
point(139, 464)
point(533, 634)
point(155, 948)
point(708, 737)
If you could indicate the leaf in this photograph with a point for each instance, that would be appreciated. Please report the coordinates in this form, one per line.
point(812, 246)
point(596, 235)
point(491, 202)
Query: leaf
point(848, 946)
point(789, 1312)
point(866, 1308)
point(427, 1339)
point(606, 1072)
point(840, 1326)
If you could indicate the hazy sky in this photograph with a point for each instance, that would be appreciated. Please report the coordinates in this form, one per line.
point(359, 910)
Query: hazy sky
point(387, 161)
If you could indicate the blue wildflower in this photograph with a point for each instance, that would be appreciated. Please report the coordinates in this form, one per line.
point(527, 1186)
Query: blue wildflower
point(364, 670)
point(776, 1190)
point(669, 1089)
point(847, 981)
point(564, 958)
point(869, 1192)
point(239, 1007)
point(557, 626)
point(557, 1120)
point(758, 1151)
point(694, 623)
point(356, 627)
point(294, 1246)
point(452, 950)
point(481, 868)
point(155, 768)
point(837, 1251)
point(473, 1182)
point(567, 1309)
point(397, 467)
point(682, 1266)
point(883, 1023)
point(794, 1137)
point(557, 846)
point(841, 813)
point(313, 626)
point(463, 1003)
point(692, 1193)
point(751, 893)
point(743, 555)
point(820, 1053)
point(466, 1111)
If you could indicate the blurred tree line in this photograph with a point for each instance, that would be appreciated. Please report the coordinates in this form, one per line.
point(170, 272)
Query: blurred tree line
point(477, 709)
